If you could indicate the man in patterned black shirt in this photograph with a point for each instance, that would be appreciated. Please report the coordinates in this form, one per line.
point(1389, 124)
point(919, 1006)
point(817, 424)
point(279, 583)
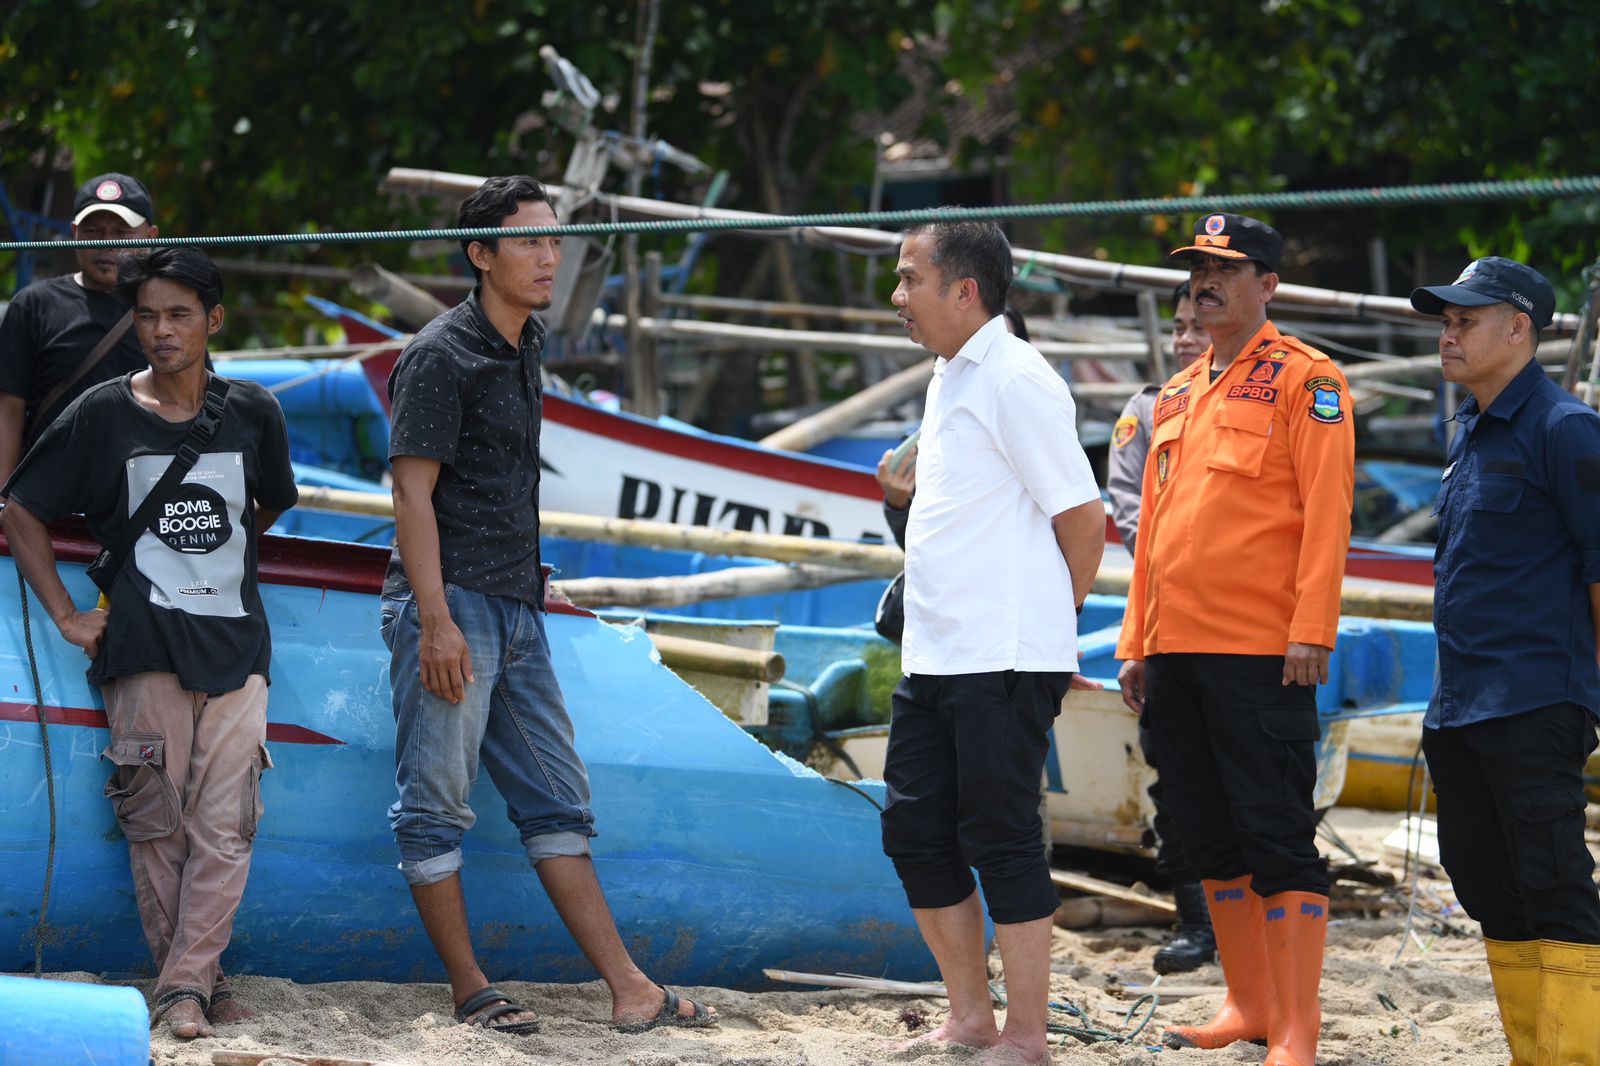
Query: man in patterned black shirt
point(463, 616)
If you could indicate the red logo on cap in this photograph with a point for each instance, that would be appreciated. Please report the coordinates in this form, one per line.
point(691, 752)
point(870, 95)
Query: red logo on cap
point(108, 190)
point(1215, 224)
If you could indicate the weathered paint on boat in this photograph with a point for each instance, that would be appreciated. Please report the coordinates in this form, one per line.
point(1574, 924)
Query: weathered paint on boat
point(718, 857)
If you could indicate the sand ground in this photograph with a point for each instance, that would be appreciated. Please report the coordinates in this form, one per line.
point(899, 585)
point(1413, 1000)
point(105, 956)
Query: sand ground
point(1391, 995)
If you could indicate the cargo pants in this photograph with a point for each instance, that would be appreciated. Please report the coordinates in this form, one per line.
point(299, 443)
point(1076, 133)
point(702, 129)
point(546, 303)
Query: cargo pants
point(186, 788)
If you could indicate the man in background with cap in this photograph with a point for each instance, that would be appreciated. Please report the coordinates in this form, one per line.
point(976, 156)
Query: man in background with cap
point(1516, 608)
point(62, 335)
point(1231, 617)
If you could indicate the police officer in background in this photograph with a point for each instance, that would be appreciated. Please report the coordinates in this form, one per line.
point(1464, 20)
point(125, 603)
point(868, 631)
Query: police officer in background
point(1195, 944)
point(1231, 617)
point(62, 335)
point(1130, 437)
point(1516, 610)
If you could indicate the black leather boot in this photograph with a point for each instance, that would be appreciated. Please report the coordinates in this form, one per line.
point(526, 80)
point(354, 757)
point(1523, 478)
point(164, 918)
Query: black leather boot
point(1195, 944)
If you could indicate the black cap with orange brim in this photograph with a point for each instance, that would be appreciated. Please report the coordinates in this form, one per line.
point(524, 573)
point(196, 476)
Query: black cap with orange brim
point(1234, 237)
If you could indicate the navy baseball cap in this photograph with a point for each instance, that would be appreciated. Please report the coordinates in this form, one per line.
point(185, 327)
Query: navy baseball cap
point(1234, 237)
point(125, 197)
point(1492, 280)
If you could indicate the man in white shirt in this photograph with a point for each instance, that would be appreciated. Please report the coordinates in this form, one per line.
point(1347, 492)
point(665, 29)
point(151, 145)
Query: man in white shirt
point(1004, 539)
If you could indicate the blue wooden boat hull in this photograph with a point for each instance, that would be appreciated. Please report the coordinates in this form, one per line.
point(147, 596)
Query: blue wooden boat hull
point(718, 857)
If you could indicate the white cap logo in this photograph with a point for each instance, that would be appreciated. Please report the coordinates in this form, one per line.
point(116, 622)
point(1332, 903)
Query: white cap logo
point(108, 190)
point(1472, 268)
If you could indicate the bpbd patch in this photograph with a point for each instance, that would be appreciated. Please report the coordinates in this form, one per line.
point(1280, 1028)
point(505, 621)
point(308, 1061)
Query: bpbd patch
point(1266, 394)
point(1163, 466)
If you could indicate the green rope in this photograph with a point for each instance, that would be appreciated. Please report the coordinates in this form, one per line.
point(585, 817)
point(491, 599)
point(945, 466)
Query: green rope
point(1461, 192)
point(1090, 1033)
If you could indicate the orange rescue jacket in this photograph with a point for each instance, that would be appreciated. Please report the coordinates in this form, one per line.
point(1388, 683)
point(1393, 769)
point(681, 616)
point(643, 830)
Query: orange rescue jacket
point(1246, 513)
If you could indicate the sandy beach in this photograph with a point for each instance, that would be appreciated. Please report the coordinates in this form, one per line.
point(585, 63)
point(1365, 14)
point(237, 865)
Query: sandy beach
point(1431, 1002)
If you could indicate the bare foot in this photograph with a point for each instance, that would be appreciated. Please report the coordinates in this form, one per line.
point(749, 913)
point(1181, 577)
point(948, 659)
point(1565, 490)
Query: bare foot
point(973, 1036)
point(186, 1021)
point(228, 1010)
point(638, 1008)
point(1009, 1053)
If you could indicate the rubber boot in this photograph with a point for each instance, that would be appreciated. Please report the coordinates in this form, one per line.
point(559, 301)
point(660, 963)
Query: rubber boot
point(1569, 1004)
point(1297, 930)
point(1237, 919)
point(1195, 945)
point(1514, 968)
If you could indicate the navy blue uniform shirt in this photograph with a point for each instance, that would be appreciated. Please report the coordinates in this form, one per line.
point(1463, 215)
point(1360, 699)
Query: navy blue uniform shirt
point(1519, 546)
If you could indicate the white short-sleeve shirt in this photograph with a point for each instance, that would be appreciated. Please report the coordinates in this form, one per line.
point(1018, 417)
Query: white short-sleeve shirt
point(986, 585)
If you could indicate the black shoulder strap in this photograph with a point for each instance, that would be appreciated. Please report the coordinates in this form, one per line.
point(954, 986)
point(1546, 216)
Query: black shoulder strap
point(200, 434)
point(48, 408)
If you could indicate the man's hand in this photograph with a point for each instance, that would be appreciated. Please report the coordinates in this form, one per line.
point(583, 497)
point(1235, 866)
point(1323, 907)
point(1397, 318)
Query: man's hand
point(1131, 678)
point(1079, 683)
point(1305, 664)
point(898, 485)
point(446, 661)
point(84, 629)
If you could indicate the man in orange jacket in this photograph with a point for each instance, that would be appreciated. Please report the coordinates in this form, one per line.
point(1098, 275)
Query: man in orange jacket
point(1231, 618)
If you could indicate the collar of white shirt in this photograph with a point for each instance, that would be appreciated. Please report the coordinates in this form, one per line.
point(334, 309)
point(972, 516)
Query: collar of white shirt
point(978, 345)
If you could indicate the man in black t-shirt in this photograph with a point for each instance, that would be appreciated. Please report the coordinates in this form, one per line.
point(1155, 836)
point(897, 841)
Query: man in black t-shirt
point(53, 326)
point(182, 652)
point(463, 614)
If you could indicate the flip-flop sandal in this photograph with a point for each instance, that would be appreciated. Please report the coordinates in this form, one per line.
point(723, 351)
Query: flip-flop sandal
point(476, 1010)
point(668, 1016)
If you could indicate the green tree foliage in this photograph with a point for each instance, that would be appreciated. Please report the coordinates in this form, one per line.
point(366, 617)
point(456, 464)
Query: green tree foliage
point(1168, 97)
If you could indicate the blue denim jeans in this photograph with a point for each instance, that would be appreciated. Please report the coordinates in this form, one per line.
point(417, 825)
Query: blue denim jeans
point(512, 718)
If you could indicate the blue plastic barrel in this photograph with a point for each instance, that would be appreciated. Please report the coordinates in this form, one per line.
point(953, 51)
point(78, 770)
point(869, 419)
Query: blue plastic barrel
point(63, 1023)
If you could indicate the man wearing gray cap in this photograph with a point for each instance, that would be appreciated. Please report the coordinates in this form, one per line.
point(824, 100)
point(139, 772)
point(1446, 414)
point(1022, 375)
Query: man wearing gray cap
point(1516, 610)
point(62, 335)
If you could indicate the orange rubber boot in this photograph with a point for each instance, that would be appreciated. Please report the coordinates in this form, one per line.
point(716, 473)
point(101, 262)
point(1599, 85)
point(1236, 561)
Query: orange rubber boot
point(1297, 929)
point(1237, 918)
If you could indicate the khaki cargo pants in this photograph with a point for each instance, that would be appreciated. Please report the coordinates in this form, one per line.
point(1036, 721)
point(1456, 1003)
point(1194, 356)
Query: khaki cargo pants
point(186, 787)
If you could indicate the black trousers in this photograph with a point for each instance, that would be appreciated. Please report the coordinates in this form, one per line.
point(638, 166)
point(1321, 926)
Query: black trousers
point(965, 756)
point(1171, 860)
point(1511, 807)
point(1237, 755)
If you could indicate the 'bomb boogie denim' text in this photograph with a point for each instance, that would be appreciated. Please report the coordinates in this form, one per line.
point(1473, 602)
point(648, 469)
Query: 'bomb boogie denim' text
point(512, 717)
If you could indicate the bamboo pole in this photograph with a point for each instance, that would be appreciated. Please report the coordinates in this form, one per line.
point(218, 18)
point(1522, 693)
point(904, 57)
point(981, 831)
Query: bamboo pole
point(873, 984)
point(1408, 602)
point(1097, 887)
point(879, 560)
point(708, 657)
point(768, 338)
point(1116, 275)
point(1098, 912)
point(847, 414)
point(410, 304)
point(697, 588)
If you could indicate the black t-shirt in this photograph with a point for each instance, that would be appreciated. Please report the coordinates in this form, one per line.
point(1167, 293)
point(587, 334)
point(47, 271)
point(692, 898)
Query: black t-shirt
point(47, 332)
point(185, 601)
point(461, 395)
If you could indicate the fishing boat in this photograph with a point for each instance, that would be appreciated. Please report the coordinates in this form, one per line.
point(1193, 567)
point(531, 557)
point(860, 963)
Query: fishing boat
point(719, 857)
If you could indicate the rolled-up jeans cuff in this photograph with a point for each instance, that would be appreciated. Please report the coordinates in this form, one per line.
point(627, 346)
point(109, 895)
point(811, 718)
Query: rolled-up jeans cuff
point(550, 845)
point(433, 870)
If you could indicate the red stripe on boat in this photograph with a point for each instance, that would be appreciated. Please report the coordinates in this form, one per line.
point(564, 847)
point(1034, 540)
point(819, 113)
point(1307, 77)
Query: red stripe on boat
point(277, 732)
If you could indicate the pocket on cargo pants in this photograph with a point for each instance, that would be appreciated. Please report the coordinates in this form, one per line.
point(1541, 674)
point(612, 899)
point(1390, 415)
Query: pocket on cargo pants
point(250, 807)
point(139, 788)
